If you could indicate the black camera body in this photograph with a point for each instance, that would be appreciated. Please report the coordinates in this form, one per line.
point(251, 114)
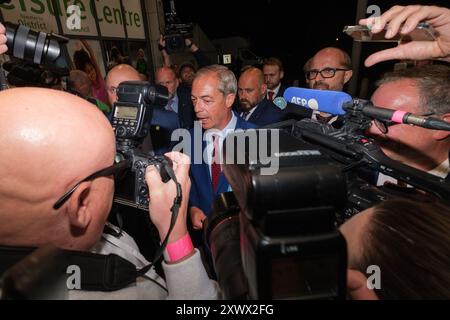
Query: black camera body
point(276, 237)
point(131, 117)
point(132, 190)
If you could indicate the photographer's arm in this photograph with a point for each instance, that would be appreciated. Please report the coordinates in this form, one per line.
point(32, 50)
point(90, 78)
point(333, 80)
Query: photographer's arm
point(409, 17)
point(3, 47)
point(93, 59)
point(164, 54)
point(163, 194)
point(199, 55)
point(186, 277)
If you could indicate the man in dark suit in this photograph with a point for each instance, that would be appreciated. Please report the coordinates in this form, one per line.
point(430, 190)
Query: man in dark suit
point(273, 74)
point(179, 96)
point(254, 107)
point(213, 93)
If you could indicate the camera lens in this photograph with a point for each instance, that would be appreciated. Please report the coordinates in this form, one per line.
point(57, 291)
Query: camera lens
point(32, 46)
point(156, 95)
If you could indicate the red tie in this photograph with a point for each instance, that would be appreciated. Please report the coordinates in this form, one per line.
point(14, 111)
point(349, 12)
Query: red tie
point(270, 94)
point(216, 168)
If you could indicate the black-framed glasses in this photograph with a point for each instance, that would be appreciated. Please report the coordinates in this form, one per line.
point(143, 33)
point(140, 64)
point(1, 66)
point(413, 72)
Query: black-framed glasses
point(383, 126)
point(115, 170)
point(325, 73)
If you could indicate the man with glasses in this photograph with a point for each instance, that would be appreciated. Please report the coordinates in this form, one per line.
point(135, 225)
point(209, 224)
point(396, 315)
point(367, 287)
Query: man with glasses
point(422, 91)
point(329, 69)
point(57, 187)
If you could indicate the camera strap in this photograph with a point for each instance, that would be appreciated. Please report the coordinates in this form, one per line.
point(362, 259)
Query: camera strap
point(98, 272)
point(174, 210)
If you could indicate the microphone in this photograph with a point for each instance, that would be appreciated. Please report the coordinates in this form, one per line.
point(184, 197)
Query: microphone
point(338, 103)
point(320, 100)
point(399, 116)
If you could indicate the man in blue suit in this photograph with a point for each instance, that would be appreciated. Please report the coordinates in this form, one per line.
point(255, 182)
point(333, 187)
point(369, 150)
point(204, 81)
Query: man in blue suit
point(179, 96)
point(213, 93)
point(253, 105)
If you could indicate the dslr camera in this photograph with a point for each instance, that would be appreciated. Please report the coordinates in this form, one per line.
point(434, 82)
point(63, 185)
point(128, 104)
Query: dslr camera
point(130, 118)
point(40, 57)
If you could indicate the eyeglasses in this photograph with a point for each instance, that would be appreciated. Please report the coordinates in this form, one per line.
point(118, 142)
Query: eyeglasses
point(383, 126)
point(115, 170)
point(325, 73)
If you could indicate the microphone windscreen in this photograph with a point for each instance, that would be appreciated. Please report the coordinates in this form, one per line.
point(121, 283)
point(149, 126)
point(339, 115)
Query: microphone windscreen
point(321, 100)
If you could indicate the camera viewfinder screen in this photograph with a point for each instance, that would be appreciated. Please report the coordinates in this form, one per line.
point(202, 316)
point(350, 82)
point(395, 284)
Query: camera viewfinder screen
point(129, 113)
point(311, 278)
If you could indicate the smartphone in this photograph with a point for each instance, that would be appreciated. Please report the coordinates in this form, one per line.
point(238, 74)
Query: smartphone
point(423, 32)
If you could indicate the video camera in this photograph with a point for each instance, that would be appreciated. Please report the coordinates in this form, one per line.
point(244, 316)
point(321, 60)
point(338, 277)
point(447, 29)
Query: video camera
point(175, 32)
point(277, 236)
point(41, 60)
point(131, 117)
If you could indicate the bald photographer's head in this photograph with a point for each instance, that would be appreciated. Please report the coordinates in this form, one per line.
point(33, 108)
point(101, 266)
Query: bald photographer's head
point(52, 140)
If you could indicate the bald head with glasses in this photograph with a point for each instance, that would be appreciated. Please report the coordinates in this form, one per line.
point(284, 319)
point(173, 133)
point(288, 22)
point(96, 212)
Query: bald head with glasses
point(51, 140)
point(57, 172)
point(329, 69)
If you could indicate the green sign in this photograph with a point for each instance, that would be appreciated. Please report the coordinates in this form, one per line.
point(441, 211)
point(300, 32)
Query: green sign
point(40, 16)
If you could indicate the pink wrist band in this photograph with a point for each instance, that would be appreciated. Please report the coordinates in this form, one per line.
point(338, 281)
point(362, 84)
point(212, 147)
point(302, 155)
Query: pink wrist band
point(178, 249)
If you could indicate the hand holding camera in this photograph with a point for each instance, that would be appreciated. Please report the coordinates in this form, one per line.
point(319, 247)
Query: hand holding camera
point(162, 195)
point(404, 20)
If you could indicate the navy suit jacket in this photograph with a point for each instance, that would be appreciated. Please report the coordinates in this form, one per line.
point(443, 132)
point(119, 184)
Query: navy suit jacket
point(202, 194)
point(266, 113)
point(281, 91)
point(186, 114)
point(163, 123)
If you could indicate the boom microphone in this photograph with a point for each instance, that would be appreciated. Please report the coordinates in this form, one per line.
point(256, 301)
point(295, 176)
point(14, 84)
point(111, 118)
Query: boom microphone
point(399, 116)
point(338, 103)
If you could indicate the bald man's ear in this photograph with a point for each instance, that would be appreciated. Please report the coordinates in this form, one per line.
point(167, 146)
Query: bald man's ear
point(347, 76)
point(263, 89)
point(229, 100)
point(80, 214)
point(281, 74)
point(442, 134)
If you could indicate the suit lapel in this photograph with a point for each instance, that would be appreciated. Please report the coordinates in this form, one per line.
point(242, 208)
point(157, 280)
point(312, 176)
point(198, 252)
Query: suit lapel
point(257, 113)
